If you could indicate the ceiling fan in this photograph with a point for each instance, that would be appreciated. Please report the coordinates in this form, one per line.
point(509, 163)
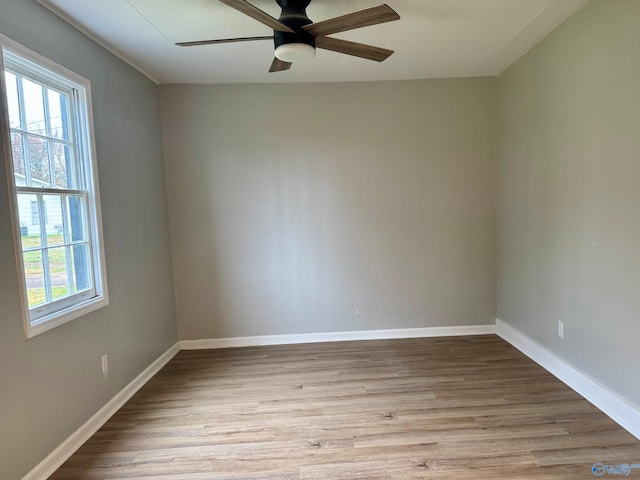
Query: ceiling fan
point(296, 37)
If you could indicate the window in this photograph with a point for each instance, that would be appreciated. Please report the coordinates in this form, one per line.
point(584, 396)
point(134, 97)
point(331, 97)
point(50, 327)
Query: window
point(35, 215)
point(47, 127)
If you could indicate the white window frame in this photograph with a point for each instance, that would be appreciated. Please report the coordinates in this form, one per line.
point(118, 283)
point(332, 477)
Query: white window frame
point(81, 305)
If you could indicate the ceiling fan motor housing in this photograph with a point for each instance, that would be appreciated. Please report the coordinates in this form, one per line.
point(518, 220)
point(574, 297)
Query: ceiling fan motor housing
point(294, 16)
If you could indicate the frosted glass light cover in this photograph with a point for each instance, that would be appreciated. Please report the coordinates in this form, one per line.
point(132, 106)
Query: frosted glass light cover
point(295, 52)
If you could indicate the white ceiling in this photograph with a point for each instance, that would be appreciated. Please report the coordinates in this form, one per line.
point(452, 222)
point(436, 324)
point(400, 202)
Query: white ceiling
point(434, 38)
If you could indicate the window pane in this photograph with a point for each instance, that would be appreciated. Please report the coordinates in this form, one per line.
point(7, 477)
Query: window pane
point(34, 107)
point(53, 209)
point(58, 115)
point(39, 161)
point(12, 98)
point(59, 273)
point(81, 266)
point(76, 218)
point(34, 276)
point(19, 168)
point(62, 163)
point(29, 216)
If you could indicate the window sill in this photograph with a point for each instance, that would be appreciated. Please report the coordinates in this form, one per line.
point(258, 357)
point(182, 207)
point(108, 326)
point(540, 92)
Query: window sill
point(61, 317)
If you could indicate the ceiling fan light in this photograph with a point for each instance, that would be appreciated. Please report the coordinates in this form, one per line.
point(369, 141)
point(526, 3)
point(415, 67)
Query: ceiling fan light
point(295, 52)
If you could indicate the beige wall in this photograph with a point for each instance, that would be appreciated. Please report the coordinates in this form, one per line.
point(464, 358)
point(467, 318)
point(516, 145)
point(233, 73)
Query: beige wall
point(51, 384)
point(293, 206)
point(570, 194)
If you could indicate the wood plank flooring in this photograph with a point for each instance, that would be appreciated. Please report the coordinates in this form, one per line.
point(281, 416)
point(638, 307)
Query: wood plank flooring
point(436, 408)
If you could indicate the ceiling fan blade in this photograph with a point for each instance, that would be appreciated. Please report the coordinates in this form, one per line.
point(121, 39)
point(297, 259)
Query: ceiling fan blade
point(352, 48)
point(279, 66)
point(363, 18)
point(222, 40)
point(257, 14)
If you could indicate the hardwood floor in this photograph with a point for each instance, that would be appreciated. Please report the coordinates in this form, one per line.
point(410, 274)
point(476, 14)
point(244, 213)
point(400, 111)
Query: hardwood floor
point(436, 408)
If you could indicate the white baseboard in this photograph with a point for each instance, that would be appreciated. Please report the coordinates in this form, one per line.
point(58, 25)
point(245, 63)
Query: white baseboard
point(621, 412)
point(214, 343)
point(55, 459)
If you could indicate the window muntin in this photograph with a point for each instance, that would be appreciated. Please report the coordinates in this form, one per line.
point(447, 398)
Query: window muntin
point(55, 198)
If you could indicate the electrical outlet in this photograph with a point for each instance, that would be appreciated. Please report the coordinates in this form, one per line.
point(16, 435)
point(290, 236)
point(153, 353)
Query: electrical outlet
point(561, 329)
point(105, 364)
